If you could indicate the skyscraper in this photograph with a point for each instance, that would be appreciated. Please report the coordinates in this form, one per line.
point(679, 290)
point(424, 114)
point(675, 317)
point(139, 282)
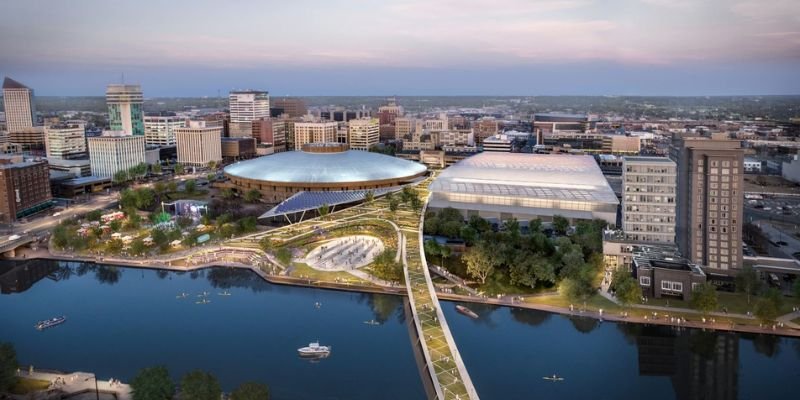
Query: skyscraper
point(65, 141)
point(125, 108)
point(709, 212)
point(247, 106)
point(115, 151)
point(199, 143)
point(19, 106)
point(648, 199)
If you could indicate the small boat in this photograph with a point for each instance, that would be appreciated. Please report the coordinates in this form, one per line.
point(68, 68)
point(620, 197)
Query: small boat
point(314, 350)
point(372, 322)
point(49, 323)
point(224, 293)
point(203, 294)
point(204, 301)
point(466, 311)
point(554, 378)
point(182, 295)
point(317, 304)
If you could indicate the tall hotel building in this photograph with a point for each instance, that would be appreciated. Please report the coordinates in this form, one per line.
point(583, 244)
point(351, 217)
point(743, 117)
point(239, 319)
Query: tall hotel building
point(125, 108)
point(648, 201)
point(160, 130)
point(24, 187)
point(247, 106)
point(199, 143)
point(709, 212)
point(363, 133)
point(290, 106)
point(314, 132)
point(115, 151)
point(65, 141)
point(19, 106)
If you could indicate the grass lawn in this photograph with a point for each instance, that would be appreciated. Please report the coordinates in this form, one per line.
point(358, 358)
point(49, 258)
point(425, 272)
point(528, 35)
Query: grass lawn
point(734, 302)
point(593, 303)
point(26, 385)
point(302, 269)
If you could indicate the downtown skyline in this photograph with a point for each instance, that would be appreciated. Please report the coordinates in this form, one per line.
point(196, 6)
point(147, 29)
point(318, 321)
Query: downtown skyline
point(410, 47)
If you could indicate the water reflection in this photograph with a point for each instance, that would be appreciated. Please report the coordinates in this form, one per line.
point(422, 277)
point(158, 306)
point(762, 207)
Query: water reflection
point(700, 365)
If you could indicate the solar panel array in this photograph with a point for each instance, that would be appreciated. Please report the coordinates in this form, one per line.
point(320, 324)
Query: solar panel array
point(312, 200)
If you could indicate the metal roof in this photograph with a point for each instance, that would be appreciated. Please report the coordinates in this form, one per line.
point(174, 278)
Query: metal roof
point(544, 176)
point(340, 167)
point(9, 83)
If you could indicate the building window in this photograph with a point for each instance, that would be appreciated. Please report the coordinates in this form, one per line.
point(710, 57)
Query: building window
point(672, 286)
point(644, 280)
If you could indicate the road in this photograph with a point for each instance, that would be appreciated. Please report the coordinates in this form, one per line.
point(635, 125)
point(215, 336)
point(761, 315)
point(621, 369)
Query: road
point(775, 234)
point(46, 221)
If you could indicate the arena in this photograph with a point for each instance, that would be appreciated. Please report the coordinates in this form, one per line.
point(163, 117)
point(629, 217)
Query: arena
point(321, 167)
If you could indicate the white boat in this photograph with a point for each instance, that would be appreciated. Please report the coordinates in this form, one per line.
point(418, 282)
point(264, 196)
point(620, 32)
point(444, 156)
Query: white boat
point(314, 350)
point(554, 378)
point(49, 323)
point(203, 294)
point(466, 311)
point(224, 293)
point(372, 322)
point(204, 301)
point(182, 295)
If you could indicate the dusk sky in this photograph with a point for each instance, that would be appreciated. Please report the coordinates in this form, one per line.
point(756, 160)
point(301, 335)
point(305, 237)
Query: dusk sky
point(405, 47)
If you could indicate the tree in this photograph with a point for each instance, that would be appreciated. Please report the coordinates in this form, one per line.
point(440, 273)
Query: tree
point(266, 244)
point(560, 224)
point(704, 298)
point(156, 168)
point(247, 224)
point(94, 215)
point(535, 225)
point(212, 165)
point(385, 267)
point(324, 210)
point(748, 282)
point(252, 196)
point(179, 169)
point(432, 248)
point(407, 194)
point(138, 247)
point(8, 367)
point(200, 385)
point(120, 177)
point(172, 186)
point(796, 288)
point(190, 186)
point(228, 194)
point(468, 234)
point(394, 204)
point(284, 255)
point(369, 196)
point(251, 391)
point(160, 188)
point(626, 288)
point(480, 263)
point(768, 307)
point(445, 251)
point(512, 227)
point(416, 204)
point(153, 383)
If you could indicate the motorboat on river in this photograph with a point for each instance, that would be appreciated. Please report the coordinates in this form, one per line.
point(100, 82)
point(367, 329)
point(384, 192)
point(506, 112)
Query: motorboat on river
point(49, 323)
point(372, 322)
point(315, 350)
point(553, 378)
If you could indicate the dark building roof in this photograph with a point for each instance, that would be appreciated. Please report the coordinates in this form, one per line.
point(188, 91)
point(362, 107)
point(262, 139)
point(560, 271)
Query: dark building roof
point(9, 83)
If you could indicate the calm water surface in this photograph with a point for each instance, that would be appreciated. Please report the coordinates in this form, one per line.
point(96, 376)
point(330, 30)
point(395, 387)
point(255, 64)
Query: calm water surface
point(123, 319)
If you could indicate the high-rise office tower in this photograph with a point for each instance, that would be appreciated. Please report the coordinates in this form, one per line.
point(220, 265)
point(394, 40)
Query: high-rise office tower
point(19, 106)
point(247, 106)
point(199, 143)
point(159, 130)
point(648, 199)
point(65, 141)
point(363, 133)
point(115, 151)
point(710, 201)
point(125, 108)
point(290, 106)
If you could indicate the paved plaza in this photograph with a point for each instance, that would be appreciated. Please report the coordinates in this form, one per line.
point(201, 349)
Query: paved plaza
point(345, 253)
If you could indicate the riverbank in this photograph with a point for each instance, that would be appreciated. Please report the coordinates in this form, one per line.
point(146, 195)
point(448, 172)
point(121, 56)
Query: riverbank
point(72, 384)
point(679, 318)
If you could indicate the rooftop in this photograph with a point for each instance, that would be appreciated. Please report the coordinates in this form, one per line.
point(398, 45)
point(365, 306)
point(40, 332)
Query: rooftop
point(648, 160)
point(336, 167)
point(9, 83)
point(545, 176)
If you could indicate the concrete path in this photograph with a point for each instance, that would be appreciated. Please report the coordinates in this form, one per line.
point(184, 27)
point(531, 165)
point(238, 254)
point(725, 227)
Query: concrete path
point(77, 382)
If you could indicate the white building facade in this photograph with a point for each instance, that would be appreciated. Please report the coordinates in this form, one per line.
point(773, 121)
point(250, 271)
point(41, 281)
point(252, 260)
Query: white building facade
point(363, 133)
point(314, 132)
point(115, 151)
point(160, 130)
point(65, 141)
point(198, 144)
point(19, 106)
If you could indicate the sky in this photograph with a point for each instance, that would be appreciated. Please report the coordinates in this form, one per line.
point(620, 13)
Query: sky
point(404, 47)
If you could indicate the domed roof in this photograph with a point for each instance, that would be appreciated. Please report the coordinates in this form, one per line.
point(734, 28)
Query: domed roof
point(337, 167)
